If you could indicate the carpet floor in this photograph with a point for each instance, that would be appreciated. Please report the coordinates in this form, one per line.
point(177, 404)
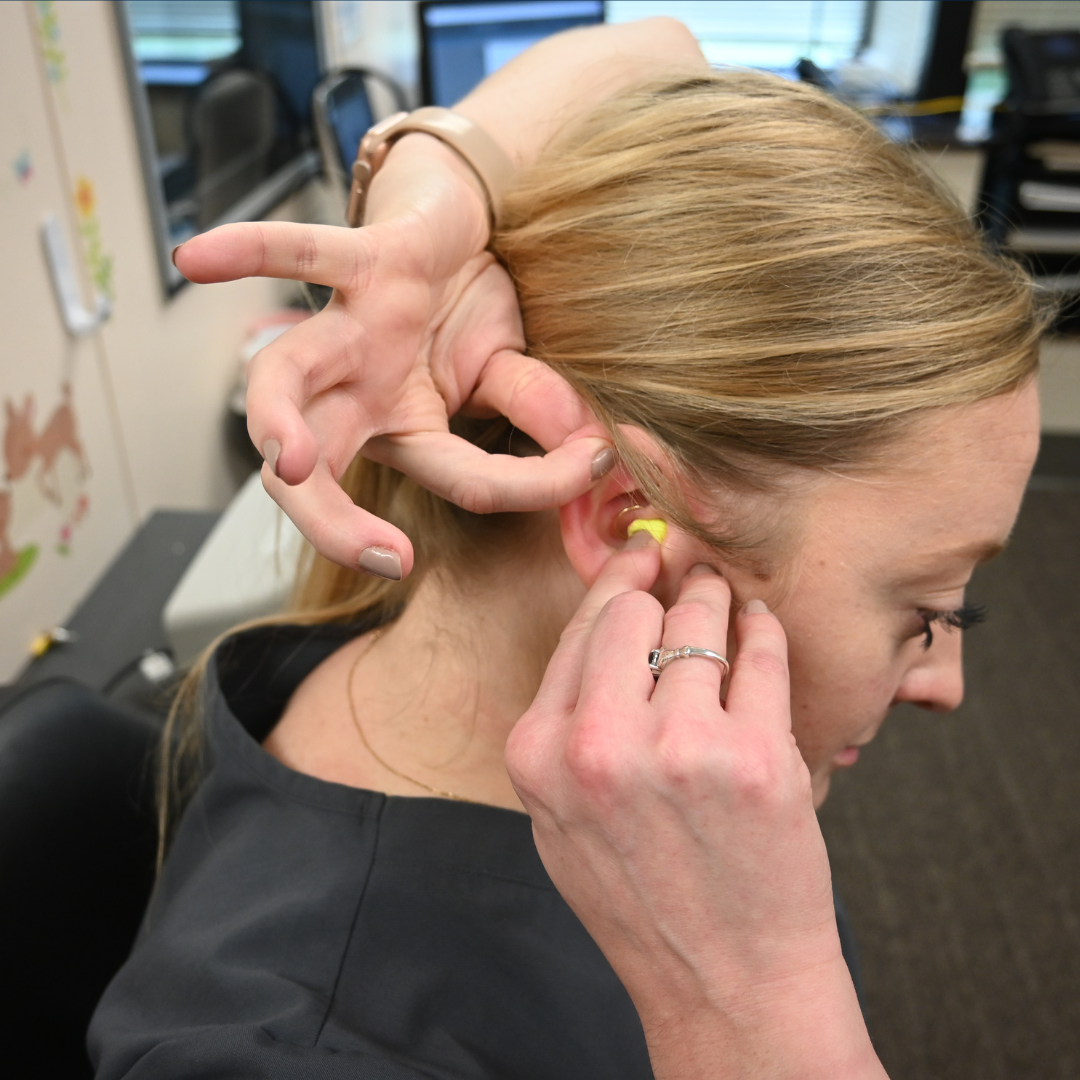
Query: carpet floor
point(955, 842)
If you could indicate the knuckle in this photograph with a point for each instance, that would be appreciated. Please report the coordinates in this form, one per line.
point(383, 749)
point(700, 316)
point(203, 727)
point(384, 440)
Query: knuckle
point(632, 605)
point(682, 760)
point(712, 585)
point(694, 759)
point(760, 775)
point(321, 539)
point(523, 755)
point(532, 383)
point(361, 268)
point(764, 662)
point(475, 494)
point(693, 609)
point(307, 250)
point(262, 255)
point(597, 761)
point(573, 632)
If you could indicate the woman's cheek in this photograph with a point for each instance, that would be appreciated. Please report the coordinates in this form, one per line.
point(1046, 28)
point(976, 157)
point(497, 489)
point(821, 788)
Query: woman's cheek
point(815, 736)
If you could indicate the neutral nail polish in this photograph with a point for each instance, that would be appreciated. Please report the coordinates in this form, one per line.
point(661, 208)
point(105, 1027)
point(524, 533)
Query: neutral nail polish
point(755, 607)
point(271, 453)
point(382, 562)
point(640, 539)
point(603, 463)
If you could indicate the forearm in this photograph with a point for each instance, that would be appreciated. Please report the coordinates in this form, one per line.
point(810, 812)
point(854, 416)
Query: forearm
point(809, 1028)
point(524, 103)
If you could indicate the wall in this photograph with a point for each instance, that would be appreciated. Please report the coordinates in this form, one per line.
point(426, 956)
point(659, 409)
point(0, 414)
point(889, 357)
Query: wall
point(171, 361)
point(381, 34)
point(130, 418)
point(898, 40)
point(148, 389)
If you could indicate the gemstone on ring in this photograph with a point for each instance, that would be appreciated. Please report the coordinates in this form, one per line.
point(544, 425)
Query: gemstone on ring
point(660, 658)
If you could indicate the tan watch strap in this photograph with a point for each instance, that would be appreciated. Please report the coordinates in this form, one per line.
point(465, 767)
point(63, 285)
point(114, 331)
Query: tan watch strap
point(484, 156)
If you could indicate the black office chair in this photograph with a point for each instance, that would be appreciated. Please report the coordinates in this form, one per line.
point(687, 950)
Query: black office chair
point(77, 851)
point(233, 126)
point(1029, 197)
point(343, 113)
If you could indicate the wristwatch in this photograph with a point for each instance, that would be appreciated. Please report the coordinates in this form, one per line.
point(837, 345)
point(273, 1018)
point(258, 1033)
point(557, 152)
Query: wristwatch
point(483, 155)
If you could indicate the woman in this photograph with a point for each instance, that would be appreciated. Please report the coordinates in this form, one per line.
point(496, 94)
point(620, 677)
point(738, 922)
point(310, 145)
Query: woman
point(838, 414)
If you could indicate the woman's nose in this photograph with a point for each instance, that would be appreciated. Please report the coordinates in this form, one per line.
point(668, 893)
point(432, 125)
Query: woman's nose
point(936, 680)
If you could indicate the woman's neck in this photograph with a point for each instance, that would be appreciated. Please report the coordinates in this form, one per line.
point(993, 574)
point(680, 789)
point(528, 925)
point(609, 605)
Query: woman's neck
point(436, 693)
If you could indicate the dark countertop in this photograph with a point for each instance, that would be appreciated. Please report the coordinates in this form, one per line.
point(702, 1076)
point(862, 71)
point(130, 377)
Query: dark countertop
point(120, 618)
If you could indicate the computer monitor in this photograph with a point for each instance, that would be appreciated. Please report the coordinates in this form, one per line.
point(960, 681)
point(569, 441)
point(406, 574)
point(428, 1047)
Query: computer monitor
point(463, 41)
point(342, 115)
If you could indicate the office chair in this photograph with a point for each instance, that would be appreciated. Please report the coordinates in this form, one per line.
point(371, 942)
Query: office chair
point(343, 113)
point(77, 854)
point(233, 128)
point(1029, 199)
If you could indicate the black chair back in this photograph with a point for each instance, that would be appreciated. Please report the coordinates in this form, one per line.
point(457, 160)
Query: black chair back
point(77, 854)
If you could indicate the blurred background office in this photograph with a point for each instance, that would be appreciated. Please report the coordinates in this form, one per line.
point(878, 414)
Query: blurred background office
point(131, 530)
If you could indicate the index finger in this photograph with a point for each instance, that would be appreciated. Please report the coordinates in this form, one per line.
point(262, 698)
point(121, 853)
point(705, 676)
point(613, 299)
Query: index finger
point(338, 529)
point(323, 254)
point(632, 569)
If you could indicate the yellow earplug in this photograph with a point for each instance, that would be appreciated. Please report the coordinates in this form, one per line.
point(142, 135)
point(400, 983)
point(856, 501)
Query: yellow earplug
point(655, 527)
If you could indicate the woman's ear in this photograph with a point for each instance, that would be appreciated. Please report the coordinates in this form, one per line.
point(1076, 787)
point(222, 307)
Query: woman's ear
point(594, 526)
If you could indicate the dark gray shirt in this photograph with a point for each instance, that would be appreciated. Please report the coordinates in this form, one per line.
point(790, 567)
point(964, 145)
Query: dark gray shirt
point(303, 929)
point(306, 929)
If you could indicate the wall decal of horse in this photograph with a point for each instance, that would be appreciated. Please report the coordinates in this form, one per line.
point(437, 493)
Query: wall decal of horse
point(22, 444)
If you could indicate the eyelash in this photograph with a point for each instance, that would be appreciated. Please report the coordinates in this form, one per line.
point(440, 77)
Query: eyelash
point(963, 618)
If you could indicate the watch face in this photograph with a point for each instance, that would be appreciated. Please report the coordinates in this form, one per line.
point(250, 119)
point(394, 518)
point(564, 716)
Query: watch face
point(374, 147)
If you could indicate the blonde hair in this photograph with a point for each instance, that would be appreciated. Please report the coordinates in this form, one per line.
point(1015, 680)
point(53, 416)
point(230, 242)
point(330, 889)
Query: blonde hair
point(749, 272)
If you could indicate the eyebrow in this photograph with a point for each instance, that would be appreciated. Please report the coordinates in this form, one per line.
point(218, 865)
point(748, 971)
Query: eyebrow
point(986, 552)
point(980, 552)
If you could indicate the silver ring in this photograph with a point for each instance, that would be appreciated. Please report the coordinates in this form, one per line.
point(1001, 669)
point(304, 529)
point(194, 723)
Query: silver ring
point(660, 658)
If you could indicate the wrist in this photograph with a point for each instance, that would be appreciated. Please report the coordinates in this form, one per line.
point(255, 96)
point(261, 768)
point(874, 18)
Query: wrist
point(417, 167)
point(805, 1028)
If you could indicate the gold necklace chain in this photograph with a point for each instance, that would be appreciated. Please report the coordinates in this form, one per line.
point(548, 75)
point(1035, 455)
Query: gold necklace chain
point(370, 749)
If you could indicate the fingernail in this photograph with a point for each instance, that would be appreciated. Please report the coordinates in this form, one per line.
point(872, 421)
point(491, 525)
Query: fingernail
point(271, 452)
point(755, 607)
point(703, 568)
point(382, 562)
point(640, 539)
point(172, 254)
point(603, 463)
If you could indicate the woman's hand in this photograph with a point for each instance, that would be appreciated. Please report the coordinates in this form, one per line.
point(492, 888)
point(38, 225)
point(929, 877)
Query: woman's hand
point(680, 829)
point(422, 323)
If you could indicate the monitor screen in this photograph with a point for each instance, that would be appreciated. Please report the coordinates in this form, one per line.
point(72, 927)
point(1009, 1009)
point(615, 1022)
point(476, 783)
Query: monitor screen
point(463, 42)
point(349, 113)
